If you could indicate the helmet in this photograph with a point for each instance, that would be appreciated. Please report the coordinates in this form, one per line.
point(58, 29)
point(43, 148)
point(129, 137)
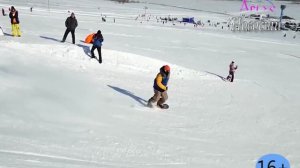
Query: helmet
point(167, 68)
point(12, 8)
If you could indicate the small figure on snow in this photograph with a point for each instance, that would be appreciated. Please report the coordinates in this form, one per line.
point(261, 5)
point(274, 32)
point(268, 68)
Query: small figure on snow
point(232, 69)
point(14, 19)
point(160, 88)
point(97, 43)
point(3, 12)
point(71, 24)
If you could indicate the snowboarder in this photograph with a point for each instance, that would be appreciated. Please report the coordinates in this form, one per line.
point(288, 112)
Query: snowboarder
point(71, 24)
point(14, 19)
point(97, 43)
point(232, 69)
point(160, 88)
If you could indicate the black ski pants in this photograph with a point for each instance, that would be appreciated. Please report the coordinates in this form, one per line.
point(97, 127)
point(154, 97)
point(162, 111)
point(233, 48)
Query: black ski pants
point(232, 75)
point(99, 52)
point(66, 34)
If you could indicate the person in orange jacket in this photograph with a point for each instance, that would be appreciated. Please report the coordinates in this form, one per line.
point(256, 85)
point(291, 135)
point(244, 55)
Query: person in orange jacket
point(160, 88)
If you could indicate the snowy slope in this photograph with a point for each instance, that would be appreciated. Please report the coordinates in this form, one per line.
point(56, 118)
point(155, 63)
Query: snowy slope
point(59, 108)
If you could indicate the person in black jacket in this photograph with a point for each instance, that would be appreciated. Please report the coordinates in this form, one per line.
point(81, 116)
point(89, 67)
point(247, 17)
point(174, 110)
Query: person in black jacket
point(97, 43)
point(14, 20)
point(71, 24)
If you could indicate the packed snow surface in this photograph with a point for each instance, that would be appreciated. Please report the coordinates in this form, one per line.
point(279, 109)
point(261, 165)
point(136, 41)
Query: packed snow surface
point(60, 108)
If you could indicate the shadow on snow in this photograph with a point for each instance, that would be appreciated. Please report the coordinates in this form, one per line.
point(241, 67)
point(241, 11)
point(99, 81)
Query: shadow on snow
point(221, 77)
point(50, 38)
point(85, 48)
point(130, 94)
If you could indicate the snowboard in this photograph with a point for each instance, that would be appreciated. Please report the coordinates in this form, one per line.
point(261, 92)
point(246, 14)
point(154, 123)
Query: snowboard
point(229, 77)
point(163, 106)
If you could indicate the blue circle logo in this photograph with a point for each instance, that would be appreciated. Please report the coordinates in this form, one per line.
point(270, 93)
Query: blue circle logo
point(272, 161)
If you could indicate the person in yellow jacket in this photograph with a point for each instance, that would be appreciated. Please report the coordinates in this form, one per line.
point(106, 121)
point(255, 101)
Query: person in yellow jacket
point(14, 19)
point(160, 88)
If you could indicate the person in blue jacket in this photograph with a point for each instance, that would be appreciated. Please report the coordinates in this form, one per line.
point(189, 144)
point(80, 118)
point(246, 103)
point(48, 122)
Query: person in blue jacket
point(97, 43)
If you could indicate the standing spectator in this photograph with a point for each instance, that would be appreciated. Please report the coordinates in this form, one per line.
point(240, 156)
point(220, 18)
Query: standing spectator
point(97, 43)
point(14, 19)
point(232, 69)
point(71, 24)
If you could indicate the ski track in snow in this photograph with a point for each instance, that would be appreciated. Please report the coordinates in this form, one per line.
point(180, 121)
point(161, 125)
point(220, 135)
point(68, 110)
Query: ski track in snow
point(40, 157)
